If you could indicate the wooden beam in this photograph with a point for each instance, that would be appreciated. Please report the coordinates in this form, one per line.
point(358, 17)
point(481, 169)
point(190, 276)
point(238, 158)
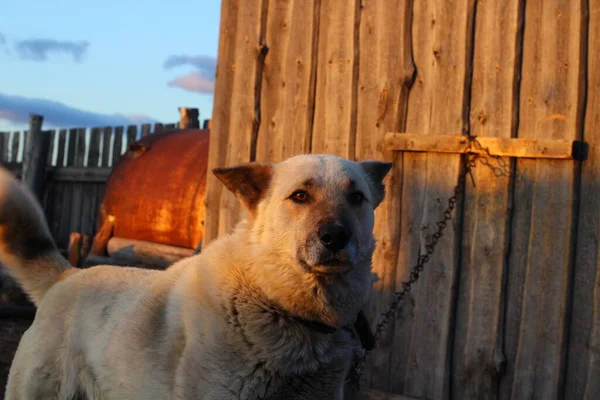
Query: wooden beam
point(497, 146)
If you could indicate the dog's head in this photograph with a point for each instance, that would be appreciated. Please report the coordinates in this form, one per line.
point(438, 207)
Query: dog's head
point(315, 213)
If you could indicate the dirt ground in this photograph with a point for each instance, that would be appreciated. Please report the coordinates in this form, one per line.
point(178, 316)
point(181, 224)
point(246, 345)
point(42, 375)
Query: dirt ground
point(10, 334)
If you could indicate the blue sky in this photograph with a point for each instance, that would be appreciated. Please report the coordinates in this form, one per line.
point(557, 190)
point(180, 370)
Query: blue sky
point(89, 63)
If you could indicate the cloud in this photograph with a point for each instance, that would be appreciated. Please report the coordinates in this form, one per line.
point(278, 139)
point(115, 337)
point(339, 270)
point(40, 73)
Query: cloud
point(16, 109)
point(202, 80)
point(193, 82)
point(40, 49)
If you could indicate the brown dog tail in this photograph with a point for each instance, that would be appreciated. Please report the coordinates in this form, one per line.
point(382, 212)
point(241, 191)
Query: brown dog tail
point(27, 249)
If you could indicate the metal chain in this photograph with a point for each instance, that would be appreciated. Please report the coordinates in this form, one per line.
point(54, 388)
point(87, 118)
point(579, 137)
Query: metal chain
point(469, 161)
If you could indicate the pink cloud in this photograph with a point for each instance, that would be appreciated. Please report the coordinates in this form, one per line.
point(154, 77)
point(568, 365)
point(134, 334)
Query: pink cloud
point(194, 82)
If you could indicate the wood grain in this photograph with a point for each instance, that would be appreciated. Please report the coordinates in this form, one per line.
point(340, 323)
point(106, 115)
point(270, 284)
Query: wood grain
point(583, 369)
point(478, 344)
point(288, 93)
point(334, 127)
point(540, 265)
point(245, 105)
point(438, 102)
point(385, 75)
point(219, 133)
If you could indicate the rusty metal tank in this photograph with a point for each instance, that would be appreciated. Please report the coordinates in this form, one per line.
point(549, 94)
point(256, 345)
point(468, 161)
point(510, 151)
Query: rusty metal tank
point(157, 188)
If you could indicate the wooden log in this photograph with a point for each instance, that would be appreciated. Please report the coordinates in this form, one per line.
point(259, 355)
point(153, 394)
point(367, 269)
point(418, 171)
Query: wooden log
point(385, 50)
point(334, 128)
point(100, 241)
point(479, 324)
point(74, 249)
point(36, 155)
point(288, 98)
point(583, 367)
point(442, 35)
point(188, 118)
point(219, 134)
point(545, 196)
point(497, 146)
point(142, 252)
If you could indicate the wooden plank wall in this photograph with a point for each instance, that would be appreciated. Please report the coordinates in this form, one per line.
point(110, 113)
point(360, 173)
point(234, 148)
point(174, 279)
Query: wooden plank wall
point(508, 306)
point(79, 161)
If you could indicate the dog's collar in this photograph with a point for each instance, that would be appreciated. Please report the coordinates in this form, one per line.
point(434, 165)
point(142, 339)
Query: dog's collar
point(361, 325)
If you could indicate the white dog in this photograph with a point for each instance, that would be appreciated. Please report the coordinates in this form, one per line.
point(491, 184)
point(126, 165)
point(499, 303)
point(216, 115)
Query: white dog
point(262, 313)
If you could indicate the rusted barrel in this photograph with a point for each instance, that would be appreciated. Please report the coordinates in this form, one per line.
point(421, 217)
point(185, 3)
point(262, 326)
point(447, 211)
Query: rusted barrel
point(156, 190)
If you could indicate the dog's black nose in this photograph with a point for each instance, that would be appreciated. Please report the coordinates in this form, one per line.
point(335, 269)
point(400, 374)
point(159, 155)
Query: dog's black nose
point(334, 237)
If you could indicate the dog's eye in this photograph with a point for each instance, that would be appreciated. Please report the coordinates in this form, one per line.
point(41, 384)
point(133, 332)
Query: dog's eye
point(356, 199)
point(299, 196)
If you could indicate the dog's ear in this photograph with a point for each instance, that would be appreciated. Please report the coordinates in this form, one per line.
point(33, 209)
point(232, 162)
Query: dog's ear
point(248, 182)
point(375, 172)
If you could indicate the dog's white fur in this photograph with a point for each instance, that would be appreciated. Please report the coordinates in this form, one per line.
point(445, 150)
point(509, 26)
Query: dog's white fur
point(224, 324)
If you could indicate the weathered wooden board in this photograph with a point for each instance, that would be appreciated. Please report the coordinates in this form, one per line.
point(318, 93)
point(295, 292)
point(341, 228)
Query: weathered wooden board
point(542, 237)
point(77, 206)
point(61, 147)
point(288, 87)
point(495, 146)
point(93, 153)
point(131, 135)
point(117, 145)
point(245, 103)
point(3, 142)
point(478, 337)
point(17, 140)
point(106, 147)
point(385, 75)
point(334, 128)
point(146, 129)
point(583, 369)
point(438, 102)
point(220, 132)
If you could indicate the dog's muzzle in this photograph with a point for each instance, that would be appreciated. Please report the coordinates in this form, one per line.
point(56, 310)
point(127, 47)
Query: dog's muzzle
point(328, 252)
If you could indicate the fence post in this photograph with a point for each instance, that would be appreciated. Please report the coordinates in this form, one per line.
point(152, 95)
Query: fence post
point(189, 118)
point(37, 145)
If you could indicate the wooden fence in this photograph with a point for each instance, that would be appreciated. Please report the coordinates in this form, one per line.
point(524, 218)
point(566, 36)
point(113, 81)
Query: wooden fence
point(79, 163)
point(509, 305)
